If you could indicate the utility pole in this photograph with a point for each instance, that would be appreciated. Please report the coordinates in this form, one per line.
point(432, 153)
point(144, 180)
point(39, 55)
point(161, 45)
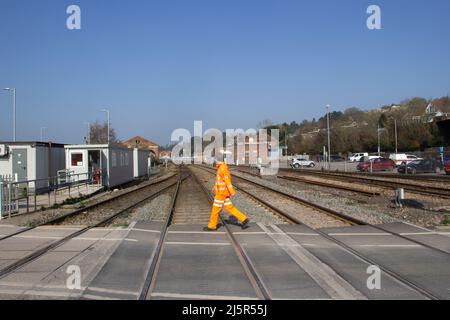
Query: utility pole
point(13, 90)
point(378, 135)
point(107, 115)
point(42, 133)
point(88, 136)
point(328, 126)
point(396, 139)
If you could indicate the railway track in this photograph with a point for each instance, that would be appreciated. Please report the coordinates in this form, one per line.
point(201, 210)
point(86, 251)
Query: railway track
point(128, 202)
point(108, 203)
point(348, 220)
point(404, 279)
point(198, 200)
point(379, 181)
point(301, 212)
point(318, 183)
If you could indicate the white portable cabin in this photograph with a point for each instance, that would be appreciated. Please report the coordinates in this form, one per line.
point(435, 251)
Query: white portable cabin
point(22, 161)
point(140, 162)
point(115, 163)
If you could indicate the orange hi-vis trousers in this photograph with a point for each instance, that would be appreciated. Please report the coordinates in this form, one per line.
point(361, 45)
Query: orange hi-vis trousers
point(219, 202)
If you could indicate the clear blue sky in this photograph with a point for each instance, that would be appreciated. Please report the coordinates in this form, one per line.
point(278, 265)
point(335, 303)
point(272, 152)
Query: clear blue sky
point(160, 65)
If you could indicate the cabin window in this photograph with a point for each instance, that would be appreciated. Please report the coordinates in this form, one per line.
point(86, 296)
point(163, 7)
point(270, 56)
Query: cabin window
point(114, 159)
point(77, 160)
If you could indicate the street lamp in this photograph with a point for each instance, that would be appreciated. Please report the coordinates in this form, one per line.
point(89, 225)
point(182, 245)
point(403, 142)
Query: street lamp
point(88, 137)
point(328, 126)
point(13, 90)
point(378, 135)
point(107, 115)
point(396, 139)
point(42, 133)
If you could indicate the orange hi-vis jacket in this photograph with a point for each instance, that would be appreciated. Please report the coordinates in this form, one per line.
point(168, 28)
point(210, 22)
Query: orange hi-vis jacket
point(223, 186)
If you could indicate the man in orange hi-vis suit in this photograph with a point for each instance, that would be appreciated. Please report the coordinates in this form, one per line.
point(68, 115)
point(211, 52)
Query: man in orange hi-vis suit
point(224, 190)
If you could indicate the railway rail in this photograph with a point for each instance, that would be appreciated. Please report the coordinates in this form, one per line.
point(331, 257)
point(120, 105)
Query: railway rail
point(343, 217)
point(161, 187)
point(378, 181)
point(320, 184)
point(404, 279)
point(94, 206)
point(203, 199)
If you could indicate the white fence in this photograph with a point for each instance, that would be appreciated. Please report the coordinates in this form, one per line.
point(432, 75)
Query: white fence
point(22, 195)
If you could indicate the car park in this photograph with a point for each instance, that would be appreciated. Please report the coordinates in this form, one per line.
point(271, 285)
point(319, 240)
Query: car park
point(378, 164)
point(418, 166)
point(298, 163)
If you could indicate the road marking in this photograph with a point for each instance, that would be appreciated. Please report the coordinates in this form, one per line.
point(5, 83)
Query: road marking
point(198, 243)
point(95, 297)
point(360, 234)
point(391, 245)
point(197, 232)
point(199, 296)
point(302, 234)
point(113, 291)
point(331, 282)
point(417, 233)
point(77, 238)
point(106, 239)
point(37, 237)
point(145, 230)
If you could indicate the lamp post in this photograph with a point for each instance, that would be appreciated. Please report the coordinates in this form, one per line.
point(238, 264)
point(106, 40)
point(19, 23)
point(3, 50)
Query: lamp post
point(13, 90)
point(42, 133)
point(396, 139)
point(107, 115)
point(88, 136)
point(328, 127)
point(378, 135)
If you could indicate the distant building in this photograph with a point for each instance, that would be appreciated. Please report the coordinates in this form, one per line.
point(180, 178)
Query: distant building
point(142, 143)
point(166, 154)
point(433, 114)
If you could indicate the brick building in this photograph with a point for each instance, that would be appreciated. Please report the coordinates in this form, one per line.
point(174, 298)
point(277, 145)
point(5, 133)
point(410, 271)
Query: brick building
point(142, 143)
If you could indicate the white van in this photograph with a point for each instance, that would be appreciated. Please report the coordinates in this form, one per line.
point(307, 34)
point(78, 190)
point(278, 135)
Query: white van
point(357, 156)
point(400, 158)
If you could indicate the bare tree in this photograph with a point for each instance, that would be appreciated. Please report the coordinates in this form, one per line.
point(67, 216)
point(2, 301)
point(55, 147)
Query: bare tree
point(99, 134)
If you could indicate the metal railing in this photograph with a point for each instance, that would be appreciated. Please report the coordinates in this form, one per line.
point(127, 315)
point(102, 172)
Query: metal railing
point(18, 197)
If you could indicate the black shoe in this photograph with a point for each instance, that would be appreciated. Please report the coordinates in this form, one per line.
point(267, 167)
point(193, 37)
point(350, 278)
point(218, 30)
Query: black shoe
point(244, 224)
point(208, 229)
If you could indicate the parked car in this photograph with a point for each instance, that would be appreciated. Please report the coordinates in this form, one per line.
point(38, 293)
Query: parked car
point(356, 157)
point(369, 158)
point(447, 167)
point(297, 163)
point(400, 158)
point(418, 166)
point(336, 158)
point(378, 164)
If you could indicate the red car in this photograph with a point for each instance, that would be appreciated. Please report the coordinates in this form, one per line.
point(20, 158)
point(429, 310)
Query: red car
point(380, 164)
point(447, 167)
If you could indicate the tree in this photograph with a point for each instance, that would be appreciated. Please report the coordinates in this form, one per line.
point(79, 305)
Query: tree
point(99, 134)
